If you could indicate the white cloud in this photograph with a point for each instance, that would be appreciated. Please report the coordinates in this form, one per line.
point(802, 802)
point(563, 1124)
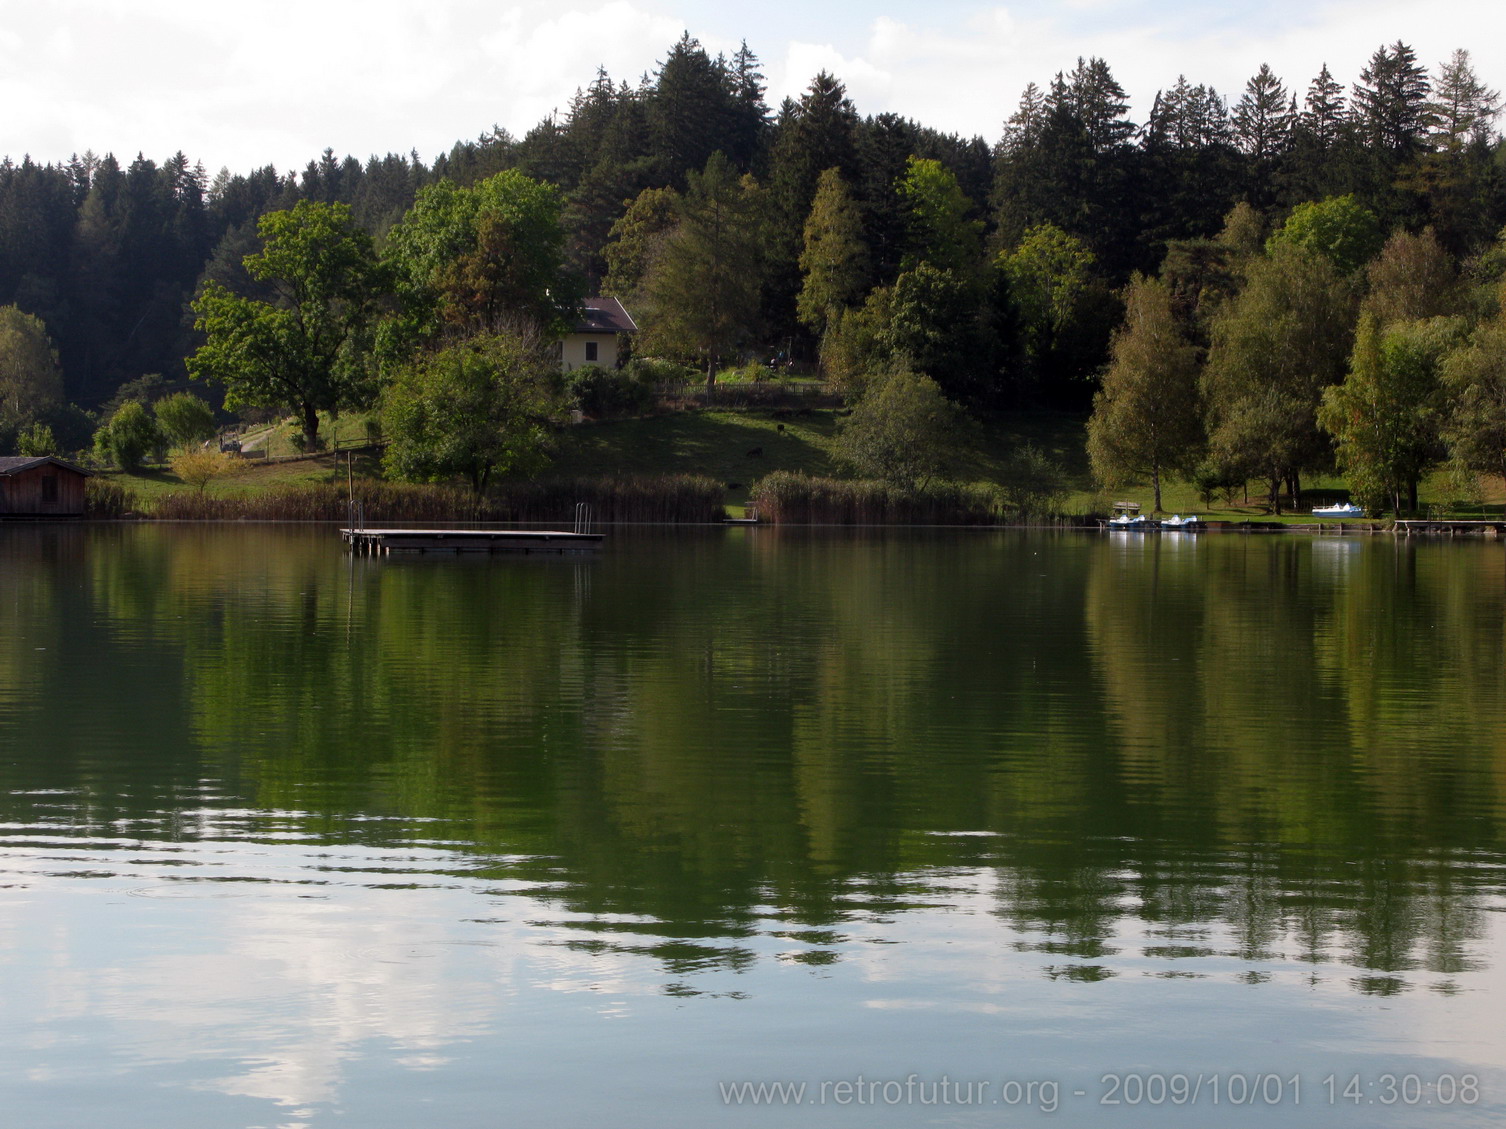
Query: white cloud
point(276, 81)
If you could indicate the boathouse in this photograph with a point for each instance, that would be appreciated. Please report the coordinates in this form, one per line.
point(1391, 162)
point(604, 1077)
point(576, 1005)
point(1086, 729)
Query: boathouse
point(596, 337)
point(41, 486)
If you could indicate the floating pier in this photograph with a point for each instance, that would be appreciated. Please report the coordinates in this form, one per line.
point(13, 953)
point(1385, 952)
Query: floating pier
point(469, 541)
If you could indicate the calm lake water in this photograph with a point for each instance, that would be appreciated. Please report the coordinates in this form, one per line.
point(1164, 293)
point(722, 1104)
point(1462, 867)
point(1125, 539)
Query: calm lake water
point(951, 828)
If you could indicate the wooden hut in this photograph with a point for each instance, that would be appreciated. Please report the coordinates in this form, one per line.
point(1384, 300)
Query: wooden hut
point(43, 486)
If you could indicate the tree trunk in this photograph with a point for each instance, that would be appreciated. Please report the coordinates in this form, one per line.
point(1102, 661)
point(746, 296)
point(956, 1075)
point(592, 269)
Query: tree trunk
point(1296, 491)
point(310, 427)
point(1275, 498)
point(1155, 478)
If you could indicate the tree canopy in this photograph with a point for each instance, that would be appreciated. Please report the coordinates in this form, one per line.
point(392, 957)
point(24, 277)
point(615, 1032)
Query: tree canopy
point(307, 349)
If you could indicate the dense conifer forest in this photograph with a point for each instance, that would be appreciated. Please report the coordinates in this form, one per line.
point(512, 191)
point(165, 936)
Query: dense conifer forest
point(1272, 247)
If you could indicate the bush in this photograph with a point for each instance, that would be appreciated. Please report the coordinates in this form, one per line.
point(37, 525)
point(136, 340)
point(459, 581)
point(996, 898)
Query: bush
point(199, 468)
point(656, 372)
point(602, 392)
point(129, 435)
point(1034, 483)
point(902, 430)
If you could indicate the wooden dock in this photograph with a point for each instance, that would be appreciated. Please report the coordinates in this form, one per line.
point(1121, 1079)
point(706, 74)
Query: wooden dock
point(1444, 527)
point(469, 541)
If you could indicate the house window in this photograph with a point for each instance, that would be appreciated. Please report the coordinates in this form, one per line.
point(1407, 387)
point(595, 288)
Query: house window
point(590, 351)
point(50, 488)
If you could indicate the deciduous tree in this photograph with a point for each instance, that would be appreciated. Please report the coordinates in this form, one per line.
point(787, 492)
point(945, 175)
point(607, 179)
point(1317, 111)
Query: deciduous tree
point(835, 260)
point(306, 351)
point(902, 430)
point(1147, 418)
point(476, 409)
point(703, 288)
point(1385, 418)
point(31, 384)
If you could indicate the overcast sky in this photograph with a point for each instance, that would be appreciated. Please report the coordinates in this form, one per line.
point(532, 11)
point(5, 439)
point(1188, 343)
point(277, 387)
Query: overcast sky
point(254, 82)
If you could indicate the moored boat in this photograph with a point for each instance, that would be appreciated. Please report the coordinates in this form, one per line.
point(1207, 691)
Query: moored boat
point(1339, 509)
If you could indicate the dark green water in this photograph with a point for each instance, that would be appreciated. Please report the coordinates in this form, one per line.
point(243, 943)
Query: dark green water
point(970, 829)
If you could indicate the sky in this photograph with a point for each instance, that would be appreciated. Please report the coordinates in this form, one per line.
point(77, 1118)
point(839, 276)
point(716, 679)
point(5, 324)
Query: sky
point(240, 84)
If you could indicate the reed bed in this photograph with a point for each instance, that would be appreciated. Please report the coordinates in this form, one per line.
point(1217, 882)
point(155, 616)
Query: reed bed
point(789, 497)
point(666, 498)
point(105, 499)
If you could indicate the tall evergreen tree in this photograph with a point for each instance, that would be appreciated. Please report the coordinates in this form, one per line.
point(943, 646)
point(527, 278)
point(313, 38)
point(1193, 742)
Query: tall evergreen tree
point(690, 114)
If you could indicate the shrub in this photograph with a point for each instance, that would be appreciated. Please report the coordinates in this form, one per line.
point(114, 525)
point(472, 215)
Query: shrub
point(602, 392)
point(199, 468)
point(1033, 482)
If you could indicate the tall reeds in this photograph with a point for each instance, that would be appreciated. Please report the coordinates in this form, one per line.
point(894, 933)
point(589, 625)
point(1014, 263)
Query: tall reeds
point(667, 498)
point(107, 499)
point(789, 497)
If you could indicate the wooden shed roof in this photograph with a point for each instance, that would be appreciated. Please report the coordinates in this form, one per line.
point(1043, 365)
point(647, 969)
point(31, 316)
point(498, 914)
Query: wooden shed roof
point(15, 464)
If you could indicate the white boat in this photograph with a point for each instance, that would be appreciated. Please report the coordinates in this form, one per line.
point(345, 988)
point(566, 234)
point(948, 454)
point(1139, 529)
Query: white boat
point(1339, 509)
point(1127, 521)
point(1180, 522)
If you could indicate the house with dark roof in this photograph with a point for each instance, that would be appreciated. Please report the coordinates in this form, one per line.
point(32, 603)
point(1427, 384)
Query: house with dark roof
point(597, 337)
point(42, 486)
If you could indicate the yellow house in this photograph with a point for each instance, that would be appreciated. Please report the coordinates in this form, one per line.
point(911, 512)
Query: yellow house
point(594, 340)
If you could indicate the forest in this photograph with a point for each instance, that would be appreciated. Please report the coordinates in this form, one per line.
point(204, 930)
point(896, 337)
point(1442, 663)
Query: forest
point(1259, 286)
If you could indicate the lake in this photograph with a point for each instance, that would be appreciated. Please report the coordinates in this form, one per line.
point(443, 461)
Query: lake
point(751, 827)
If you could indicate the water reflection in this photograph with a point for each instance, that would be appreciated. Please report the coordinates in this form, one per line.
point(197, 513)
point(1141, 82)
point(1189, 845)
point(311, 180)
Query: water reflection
point(416, 802)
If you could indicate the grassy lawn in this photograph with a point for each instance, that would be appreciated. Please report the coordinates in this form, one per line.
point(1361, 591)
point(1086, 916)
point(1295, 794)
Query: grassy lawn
point(738, 447)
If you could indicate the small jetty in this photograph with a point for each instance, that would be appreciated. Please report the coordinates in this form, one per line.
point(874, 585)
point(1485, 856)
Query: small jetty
point(362, 539)
point(469, 541)
point(1446, 527)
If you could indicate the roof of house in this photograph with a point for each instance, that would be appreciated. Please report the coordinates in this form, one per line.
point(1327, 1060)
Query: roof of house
point(15, 464)
point(604, 315)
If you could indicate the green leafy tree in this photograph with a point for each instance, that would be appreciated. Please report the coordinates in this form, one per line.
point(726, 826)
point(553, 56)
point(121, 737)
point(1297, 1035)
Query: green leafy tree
point(902, 430)
point(940, 232)
point(31, 384)
point(703, 289)
point(184, 418)
point(307, 350)
point(477, 409)
point(1146, 417)
point(933, 327)
point(1058, 305)
point(478, 259)
point(1474, 379)
point(1385, 418)
point(36, 440)
point(636, 240)
point(130, 433)
point(1340, 228)
point(1275, 347)
point(1412, 278)
point(835, 259)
